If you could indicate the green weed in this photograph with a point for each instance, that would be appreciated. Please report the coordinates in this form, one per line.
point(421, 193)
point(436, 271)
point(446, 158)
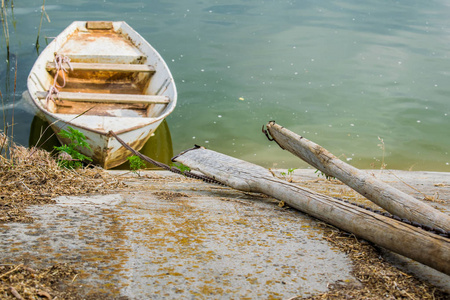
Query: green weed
point(69, 157)
point(288, 176)
point(136, 163)
point(181, 167)
point(327, 177)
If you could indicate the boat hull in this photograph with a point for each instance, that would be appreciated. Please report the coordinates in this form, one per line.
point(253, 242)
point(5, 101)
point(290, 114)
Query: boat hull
point(105, 151)
point(131, 104)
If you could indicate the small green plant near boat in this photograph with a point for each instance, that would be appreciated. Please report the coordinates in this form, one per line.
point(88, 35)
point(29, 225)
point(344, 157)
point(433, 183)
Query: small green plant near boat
point(288, 175)
point(181, 167)
point(327, 177)
point(136, 163)
point(290, 172)
point(69, 157)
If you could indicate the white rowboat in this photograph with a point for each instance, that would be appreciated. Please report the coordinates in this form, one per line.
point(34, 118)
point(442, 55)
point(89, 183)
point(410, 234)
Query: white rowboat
point(108, 78)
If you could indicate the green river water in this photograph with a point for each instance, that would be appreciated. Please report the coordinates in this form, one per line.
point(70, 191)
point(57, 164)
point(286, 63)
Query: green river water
point(349, 75)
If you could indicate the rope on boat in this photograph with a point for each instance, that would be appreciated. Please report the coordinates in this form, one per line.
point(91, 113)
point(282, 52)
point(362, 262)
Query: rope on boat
point(53, 91)
point(164, 166)
point(52, 94)
point(59, 65)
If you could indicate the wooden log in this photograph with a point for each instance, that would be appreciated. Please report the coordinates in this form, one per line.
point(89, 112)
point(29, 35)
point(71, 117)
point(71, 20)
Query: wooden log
point(415, 243)
point(391, 199)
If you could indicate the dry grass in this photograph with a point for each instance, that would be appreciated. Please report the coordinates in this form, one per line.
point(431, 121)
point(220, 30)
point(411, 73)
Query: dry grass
point(55, 282)
point(22, 282)
point(29, 177)
point(379, 279)
point(32, 177)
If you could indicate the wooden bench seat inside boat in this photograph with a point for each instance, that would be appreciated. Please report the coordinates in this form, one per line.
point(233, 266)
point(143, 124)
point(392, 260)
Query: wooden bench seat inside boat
point(103, 67)
point(108, 98)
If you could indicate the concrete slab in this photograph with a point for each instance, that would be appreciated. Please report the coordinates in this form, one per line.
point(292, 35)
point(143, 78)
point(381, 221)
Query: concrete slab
point(176, 239)
point(167, 237)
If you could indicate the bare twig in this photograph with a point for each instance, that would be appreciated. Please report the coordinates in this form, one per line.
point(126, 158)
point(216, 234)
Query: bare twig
point(11, 271)
point(425, 197)
point(15, 293)
point(43, 294)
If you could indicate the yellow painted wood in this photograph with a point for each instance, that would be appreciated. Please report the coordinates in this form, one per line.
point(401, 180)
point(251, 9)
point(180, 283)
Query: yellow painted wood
point(99, 25)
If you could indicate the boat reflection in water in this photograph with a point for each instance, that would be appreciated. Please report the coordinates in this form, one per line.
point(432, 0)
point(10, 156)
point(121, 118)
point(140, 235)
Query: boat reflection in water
point(158, 147)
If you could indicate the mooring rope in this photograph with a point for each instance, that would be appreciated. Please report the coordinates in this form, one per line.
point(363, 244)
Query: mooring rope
point(59, 65)
point(53, 91)
point(438, 231)
point(52, 94)
point(167, 167)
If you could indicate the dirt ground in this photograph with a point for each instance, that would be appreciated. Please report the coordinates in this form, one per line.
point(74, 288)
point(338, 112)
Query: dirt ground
point(32, 177)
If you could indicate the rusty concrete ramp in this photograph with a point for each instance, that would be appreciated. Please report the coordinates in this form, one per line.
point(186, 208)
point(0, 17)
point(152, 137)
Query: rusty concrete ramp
point(167, 237)
point(173, 239)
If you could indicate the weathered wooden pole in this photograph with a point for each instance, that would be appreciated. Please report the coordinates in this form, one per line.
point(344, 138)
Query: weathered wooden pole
point(394, 201)
point(415, 243)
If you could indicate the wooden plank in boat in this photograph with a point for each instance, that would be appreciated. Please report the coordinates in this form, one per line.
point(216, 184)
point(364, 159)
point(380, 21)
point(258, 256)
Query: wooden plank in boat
point(99, 25)
point(101, 46)
point(108, 98)
point(104, 67)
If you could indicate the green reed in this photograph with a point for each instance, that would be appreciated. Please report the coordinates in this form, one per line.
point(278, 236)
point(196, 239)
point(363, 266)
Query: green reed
point(4, 17)
point(43, 13)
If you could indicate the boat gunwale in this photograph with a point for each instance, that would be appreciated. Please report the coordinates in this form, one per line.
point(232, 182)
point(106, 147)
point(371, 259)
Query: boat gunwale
point(107, 134)
point(138, 41)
